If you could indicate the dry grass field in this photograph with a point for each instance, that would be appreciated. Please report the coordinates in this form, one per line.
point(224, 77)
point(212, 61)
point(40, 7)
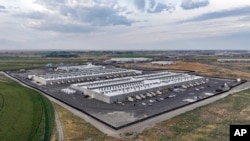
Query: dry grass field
point(76, 129)
point(206, 123)
point(202, 69)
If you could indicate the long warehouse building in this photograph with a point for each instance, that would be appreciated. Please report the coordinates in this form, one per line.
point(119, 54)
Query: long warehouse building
point(120, 89)
point(78, 67)
point(83, 75)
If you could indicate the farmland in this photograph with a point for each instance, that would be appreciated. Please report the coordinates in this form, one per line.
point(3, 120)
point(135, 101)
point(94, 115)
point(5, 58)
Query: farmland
point(200, 68)
point(24, 62)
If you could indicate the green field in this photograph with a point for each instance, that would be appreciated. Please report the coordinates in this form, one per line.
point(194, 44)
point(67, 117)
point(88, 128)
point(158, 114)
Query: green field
point(24, 113)
point(16, 63)
point(248, 68)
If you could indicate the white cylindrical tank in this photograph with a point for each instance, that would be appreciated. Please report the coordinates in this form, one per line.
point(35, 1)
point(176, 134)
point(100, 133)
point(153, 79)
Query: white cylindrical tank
point(30, 77)
point(225, 85)
point(238, 79)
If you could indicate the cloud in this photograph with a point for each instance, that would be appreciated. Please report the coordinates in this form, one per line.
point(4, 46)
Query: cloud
point(50, 3)
point(242, 11)
point(94, 12)
point(160, 7)
point(3, 8)
point(192, 4)
point(32, 15)
point(152, 6)
point(140, 4)
point(8, 44)
point(247, 18)
point(64, 28)
point(96, 15)
point(152, 3)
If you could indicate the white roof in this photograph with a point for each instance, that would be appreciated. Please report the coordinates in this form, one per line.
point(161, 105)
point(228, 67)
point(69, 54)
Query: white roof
point(129, 59)
point(86, 73)
point(128, 84)
point(79, 67)
point(163, 62)
point(222, 60)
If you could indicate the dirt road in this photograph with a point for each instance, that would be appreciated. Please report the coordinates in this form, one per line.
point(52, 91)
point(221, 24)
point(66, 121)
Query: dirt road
point(59, 127)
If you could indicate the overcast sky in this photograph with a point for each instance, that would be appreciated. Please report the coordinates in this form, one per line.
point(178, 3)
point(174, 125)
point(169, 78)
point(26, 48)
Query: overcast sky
point(124, 24)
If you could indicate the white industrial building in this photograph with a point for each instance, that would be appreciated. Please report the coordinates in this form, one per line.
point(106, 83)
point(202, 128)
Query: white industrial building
point(127, 60)
point(83, 75)
point(79, 67)
point(120, 89)
point(163, 62)
point(233, 60)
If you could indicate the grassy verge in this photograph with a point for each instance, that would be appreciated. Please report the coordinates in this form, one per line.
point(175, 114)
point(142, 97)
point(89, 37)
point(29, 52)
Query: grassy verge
point(76, 129)
point(49, 118)
point(24, 113)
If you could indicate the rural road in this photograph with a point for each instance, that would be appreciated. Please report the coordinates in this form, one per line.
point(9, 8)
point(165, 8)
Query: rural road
point(139, 127)
point(59, 127)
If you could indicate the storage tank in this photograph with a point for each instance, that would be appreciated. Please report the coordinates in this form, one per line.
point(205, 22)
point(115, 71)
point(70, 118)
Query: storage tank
point(238, 79)
point(30, 77)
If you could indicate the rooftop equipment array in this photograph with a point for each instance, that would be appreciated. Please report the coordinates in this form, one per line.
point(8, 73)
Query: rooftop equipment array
point(126, 85)
point(88, 74)
point(68, 91)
